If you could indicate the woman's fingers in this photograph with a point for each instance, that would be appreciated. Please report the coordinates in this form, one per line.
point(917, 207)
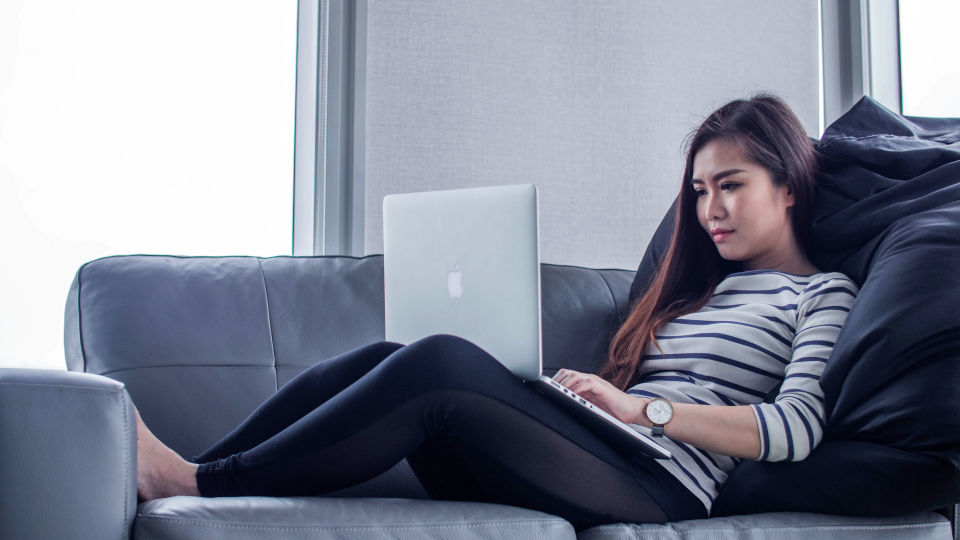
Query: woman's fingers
point(572, 379)
point(564, 376)
point(581, 384)
point(584, 384)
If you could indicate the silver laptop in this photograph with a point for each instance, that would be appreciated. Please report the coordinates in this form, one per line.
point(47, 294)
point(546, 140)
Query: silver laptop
point(466, 262)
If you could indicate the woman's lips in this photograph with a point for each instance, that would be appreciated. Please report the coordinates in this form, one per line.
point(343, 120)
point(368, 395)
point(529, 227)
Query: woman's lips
point(721, 236)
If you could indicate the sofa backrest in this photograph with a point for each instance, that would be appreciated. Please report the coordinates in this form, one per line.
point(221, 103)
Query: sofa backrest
point(201, 341)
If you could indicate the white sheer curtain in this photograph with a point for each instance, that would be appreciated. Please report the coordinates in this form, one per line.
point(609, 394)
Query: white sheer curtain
point(136, 127)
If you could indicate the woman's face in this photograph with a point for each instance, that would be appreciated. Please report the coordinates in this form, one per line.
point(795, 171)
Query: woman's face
point(741, 208)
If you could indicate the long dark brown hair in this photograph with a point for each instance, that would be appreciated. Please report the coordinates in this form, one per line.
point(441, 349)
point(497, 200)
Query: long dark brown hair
point(769, 135)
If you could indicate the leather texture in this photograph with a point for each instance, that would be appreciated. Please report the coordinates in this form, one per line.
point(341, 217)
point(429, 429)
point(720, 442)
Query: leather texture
point(201, 341)
point(67, 456)
point(254, 518)
point(782, 526)
point(169, 327)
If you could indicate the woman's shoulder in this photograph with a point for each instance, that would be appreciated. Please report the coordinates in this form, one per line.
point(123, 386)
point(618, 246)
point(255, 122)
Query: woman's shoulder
point(804, 280)
point(827, 290)
point(777, 282)
point(832, 279)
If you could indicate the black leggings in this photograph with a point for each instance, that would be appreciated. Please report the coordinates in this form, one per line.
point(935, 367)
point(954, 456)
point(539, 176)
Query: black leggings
point(470, 429)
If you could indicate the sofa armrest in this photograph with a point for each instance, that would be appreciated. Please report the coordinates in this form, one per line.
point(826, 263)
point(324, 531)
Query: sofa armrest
point(952, 512)
point(67, 456)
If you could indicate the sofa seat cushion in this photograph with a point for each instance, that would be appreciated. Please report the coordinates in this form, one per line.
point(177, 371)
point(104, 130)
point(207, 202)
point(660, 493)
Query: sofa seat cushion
point(783, 526)
point(280, 518)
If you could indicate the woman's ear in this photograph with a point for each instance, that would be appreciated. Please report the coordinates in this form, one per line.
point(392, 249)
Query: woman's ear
point(791, 200)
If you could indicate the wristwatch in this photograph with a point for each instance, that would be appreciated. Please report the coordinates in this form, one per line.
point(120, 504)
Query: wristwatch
point(659, 412)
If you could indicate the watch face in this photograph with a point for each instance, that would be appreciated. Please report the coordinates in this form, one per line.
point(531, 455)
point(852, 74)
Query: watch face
point(659, 411)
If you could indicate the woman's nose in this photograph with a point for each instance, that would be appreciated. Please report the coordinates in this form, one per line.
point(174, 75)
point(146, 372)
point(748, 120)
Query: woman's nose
point(713, 207)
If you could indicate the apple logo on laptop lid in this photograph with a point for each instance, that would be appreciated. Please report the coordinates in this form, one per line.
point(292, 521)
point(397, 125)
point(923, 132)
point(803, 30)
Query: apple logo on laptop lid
point(454, 286)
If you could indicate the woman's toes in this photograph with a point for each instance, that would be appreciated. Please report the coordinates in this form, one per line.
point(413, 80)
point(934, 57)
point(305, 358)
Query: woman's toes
point(151, 463)
point(161, 472)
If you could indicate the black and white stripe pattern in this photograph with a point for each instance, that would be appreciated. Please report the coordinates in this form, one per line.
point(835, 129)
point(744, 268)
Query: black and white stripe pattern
point(761, 329)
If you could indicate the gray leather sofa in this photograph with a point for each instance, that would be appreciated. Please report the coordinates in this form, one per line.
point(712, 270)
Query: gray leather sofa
point(198, 342)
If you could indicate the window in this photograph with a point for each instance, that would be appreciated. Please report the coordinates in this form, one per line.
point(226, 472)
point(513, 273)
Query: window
point(929, 72)
point(132, 127)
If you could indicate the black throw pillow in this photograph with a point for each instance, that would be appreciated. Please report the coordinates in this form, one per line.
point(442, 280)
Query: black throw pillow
point(887, 215)
point(653, 255)
point(841, 477)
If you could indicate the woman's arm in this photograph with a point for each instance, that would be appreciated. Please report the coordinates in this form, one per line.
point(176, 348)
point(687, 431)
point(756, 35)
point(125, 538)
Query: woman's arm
point(728, 430)
point(792, 425)
point(787, 429)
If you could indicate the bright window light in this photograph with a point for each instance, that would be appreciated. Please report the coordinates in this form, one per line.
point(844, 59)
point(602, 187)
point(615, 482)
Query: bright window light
point(929, 72)
point(136, 127)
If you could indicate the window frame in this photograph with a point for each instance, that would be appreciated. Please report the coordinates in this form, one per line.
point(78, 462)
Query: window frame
point(330, 118)
point(860, 54)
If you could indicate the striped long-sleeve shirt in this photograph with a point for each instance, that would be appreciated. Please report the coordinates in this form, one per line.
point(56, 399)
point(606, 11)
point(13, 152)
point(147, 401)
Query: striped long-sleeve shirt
point(761, 329)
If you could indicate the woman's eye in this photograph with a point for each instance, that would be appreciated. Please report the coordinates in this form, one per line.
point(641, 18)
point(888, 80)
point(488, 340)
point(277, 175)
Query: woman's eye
point(729, 186)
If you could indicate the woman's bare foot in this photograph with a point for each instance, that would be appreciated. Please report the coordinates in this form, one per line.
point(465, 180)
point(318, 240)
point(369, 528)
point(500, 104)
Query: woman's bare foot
point(160, 471)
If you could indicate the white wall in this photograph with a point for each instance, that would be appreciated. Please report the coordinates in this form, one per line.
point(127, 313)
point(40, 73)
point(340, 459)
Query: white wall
point(136, 127)
point(590, 100)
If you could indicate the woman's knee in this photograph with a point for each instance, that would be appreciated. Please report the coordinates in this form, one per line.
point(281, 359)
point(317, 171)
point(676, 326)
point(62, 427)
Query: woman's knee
point(443, 356)
point(444, 342)
point(365, 357)
point(385, 348)
point(448, 347)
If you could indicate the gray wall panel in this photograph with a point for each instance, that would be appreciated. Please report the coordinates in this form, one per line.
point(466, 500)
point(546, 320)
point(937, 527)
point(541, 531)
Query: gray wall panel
point(588, 100)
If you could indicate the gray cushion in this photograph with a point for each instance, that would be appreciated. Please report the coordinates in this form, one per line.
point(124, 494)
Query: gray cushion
point(67, 463)
point(280, 518)
point(221, 334)
point(783, 526)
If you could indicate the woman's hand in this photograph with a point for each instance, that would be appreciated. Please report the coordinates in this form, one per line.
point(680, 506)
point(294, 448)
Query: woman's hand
point(727, 430)
point(601, 393)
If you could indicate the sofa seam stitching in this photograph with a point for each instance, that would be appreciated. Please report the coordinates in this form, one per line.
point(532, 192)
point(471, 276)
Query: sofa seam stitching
point(126, 466)
point(273, 349)
point(616, 308)
point(83, 351)
point(557, 522)
point(168, 366)
point(925, 524)
point(368, 256)
point(66, 386)
point(559, 265)
point(167, 256)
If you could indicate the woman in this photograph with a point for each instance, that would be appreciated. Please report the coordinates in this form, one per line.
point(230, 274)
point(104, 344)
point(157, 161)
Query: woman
point(735, 311)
